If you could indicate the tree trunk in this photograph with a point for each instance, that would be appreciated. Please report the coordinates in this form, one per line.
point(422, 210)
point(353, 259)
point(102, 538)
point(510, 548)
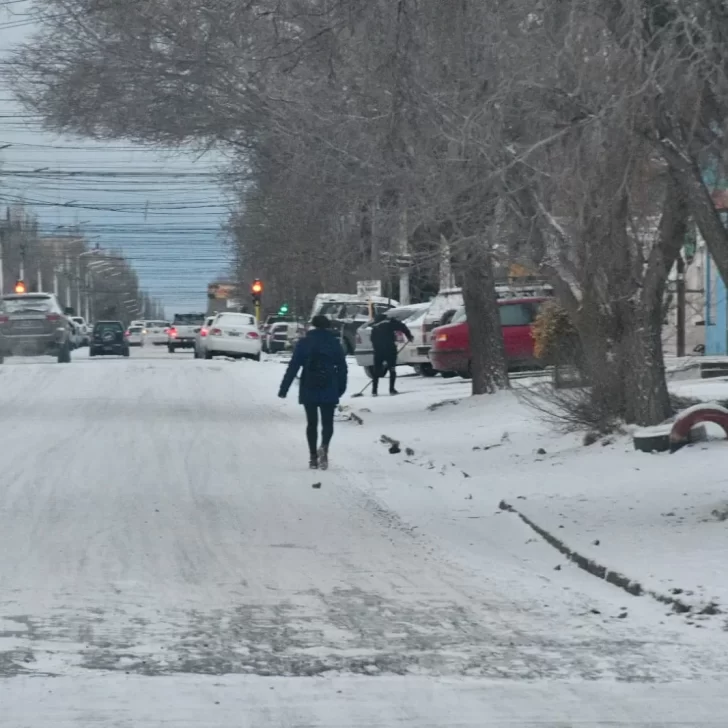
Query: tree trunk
point(647, 400)
point(488, 360)
point(446, 279)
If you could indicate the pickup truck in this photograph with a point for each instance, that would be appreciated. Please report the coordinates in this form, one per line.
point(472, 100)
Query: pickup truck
point(182, 333)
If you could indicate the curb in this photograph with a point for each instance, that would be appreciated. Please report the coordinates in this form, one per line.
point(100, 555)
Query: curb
point(595, 569)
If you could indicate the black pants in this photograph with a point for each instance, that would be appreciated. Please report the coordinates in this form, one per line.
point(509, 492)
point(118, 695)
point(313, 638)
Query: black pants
point(382, 361)
point(327, 425)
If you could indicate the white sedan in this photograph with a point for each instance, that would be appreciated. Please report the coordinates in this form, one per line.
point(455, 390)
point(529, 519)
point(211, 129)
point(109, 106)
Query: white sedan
point(156, 332)
point(135, 335)
point(235, 335)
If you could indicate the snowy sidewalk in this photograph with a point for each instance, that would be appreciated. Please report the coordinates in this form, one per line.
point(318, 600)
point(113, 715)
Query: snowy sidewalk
point(659, 520)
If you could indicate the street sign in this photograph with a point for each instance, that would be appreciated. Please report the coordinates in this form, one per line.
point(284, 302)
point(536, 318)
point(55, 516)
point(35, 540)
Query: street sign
point(368, 288)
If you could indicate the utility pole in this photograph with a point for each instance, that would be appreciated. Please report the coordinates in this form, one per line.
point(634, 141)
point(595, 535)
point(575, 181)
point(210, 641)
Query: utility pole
point(67, 268)
point(680, 305)
point(403, 257)
point(78, 286)
point(445, 264)
point(88, 297)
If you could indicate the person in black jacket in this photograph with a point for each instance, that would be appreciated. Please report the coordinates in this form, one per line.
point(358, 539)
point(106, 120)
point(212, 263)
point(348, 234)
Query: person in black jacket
point(323, 382)
point(384, 343)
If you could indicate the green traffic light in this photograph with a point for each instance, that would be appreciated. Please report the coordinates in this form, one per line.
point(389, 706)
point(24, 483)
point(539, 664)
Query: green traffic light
point(283, 309)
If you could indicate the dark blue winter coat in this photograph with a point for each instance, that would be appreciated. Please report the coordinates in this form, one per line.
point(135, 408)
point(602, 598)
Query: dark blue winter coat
point(327, 348)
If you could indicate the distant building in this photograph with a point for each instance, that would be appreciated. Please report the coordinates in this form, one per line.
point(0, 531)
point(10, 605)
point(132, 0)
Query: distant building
point(223, 296)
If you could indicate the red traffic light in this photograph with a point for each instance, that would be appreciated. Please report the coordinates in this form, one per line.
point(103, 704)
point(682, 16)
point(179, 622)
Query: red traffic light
point(257, 286)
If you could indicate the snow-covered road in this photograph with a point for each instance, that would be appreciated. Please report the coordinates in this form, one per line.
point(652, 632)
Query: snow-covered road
point(157, 523)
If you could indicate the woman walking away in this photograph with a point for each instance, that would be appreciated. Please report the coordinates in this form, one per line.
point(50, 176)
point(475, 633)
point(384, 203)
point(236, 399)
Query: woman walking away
point(323, 382)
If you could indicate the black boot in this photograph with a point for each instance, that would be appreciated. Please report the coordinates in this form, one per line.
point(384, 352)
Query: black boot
point(323, 458)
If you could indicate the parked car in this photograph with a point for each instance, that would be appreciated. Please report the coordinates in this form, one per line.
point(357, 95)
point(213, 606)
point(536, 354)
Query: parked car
point(267, 325)
point(201, 337)
point(348, 312)
point(155, 332)
point(108, 338)
point(83, 329)
point(450, 351)
point(134, 335)
point(34, 324)
point(75, 338)
point(365, 353)
point(235, 335)
point(282, 336)
point(182, 333)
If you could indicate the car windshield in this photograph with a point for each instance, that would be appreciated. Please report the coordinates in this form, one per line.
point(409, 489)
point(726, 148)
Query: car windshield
point(236, 319)
point(459, 316)
point(27, 304)
point(105, 326)
point(135, 330)
point(189, 319)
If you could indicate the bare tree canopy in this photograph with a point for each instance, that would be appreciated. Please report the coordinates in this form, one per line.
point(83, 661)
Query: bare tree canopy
point(368, 132)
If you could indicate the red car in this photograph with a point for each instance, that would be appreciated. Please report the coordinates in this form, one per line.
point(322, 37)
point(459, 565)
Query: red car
point(450, 352)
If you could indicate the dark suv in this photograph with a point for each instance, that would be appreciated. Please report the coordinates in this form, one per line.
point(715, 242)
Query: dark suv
point(108, 338)
point(34, 324)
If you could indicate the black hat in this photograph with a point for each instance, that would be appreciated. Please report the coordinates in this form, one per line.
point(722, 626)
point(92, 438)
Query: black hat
point(321, 322)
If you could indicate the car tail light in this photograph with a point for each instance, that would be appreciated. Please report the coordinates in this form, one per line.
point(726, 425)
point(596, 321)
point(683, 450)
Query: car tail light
point(216, 332)
point(203, 332)
point(53, 317)
point(127, 334)
point(172, 332)
point(252, 335)
point(441, 337)
point(4, 319)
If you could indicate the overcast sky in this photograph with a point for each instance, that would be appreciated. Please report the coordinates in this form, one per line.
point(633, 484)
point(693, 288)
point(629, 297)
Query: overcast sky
point(163, 209)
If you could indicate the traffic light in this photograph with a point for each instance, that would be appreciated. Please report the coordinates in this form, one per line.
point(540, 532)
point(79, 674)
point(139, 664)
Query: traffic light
point(257, 290)
point(20, 287)
point(283, 310)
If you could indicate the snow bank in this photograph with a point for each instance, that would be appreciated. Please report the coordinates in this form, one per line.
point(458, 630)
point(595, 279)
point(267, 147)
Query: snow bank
point(660, 520)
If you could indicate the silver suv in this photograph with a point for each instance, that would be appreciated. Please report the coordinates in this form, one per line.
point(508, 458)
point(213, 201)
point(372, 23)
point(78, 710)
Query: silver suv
point(34, 324)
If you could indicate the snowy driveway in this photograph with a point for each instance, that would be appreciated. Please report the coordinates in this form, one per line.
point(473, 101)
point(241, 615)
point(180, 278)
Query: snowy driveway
point(157, 523)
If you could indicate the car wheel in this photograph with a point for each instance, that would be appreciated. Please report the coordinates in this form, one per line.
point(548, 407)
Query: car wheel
point(448, 375)
point(2, 358)
point(91, 351)
point(208, 355)
point(170, 349)
point(256, 357)
point(125, 352)
point(426, 370)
